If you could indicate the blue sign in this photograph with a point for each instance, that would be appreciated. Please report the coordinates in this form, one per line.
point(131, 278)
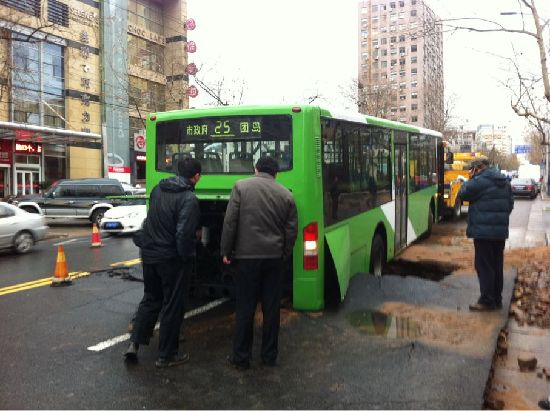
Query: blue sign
point(522, 149)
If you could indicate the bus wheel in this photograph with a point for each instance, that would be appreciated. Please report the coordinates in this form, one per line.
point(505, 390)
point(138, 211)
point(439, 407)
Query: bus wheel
point(377, 256)
point(457, 211)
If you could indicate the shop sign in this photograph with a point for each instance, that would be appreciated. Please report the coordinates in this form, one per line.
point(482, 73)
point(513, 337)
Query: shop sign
point(5, 152)
point(89, 18)
point(28, 148)
point(146, 34)
point(120, 173)
point(139, 142)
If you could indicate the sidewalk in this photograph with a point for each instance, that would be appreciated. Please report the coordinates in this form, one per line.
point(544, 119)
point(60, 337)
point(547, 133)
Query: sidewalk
point(530, 336)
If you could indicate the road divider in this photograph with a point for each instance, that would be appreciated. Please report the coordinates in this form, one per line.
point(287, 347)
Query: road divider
point(125, 337)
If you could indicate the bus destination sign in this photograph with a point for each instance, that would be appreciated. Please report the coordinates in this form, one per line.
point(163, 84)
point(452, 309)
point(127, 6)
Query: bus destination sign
point(228, 127)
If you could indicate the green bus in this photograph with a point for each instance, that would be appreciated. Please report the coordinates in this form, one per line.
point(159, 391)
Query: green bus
point(365, 188)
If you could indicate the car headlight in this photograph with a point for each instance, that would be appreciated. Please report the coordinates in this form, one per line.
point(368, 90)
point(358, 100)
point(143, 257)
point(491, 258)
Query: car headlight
point(445, 195)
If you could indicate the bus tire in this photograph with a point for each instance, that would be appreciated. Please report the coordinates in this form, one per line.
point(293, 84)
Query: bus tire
point(457, 211)
point(377, 256)
point(430, 223)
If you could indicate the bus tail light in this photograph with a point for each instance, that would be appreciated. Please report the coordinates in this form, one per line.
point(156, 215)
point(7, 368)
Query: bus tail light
point(311, 247)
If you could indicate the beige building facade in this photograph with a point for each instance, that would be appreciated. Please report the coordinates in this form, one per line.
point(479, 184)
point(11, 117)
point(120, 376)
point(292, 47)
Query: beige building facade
point(401, 62)
point(56, 73)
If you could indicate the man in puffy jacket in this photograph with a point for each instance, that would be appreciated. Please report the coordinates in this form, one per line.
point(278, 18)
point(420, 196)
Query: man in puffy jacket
point(491, 202)
point(167, 245)
point(259, 231)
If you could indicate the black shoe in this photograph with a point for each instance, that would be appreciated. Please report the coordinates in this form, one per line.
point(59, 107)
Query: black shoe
point(544, 404)
point(172, 361)
point(478, 307)
point(241, 366)
point(131, 352)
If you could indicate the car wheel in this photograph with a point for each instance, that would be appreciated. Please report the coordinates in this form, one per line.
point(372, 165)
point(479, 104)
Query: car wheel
point(23, 242)
point(97, 215)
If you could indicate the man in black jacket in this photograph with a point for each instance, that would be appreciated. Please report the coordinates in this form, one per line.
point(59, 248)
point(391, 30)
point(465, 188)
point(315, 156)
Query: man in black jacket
point(491, 203)
point(167, 246)
point(259, 231)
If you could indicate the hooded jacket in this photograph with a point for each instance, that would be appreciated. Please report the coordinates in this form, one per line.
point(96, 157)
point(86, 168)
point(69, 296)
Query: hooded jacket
point(172, 220)
point(491, 202)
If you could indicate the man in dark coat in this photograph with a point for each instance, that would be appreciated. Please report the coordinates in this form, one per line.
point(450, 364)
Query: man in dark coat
point(167, 245)
point(259, 231)
point(491, 202)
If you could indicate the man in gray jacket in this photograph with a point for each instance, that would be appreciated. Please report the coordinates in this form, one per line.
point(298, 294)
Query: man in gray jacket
point(259, 232)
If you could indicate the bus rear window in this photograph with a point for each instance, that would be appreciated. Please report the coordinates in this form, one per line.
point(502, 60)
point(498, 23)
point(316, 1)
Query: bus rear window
point(225, 145)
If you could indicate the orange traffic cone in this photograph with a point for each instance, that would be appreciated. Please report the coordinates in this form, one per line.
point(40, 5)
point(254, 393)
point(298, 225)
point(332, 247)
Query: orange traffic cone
point(61, 273)
point(96, 238)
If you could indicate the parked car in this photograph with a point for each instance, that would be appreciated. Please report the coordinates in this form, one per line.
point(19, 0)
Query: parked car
point(524, 187)
point(127, 217)
point(82, 198)
point(20, 230)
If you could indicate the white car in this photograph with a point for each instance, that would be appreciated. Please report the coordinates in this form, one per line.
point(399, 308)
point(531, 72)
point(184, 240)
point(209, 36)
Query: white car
point(20, 230)
point(123, 219)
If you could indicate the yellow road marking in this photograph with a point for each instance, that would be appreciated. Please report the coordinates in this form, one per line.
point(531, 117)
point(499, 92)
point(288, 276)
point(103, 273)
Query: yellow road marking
point(48, 280)
point(128, 263)
point(38, 283)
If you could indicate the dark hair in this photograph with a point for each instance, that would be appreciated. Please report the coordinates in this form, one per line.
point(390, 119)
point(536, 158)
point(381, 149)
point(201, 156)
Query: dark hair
point(188, 167)
point(267, 165)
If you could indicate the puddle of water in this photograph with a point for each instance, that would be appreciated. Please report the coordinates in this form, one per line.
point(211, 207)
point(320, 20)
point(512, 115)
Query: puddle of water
point(385, 325)
point(429, 270)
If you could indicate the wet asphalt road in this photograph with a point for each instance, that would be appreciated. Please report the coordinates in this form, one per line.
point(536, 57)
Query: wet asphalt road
point(355, 357)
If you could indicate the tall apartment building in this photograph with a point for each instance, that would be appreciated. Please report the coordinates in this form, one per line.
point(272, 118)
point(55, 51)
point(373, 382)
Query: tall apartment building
point(401, 62)
point(77, 79)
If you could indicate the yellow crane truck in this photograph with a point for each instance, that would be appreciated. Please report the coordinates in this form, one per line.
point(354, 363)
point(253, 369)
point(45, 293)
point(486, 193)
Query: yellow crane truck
point(457, 166)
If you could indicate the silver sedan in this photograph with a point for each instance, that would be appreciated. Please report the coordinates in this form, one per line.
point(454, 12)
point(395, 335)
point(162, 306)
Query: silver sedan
point(20, 230)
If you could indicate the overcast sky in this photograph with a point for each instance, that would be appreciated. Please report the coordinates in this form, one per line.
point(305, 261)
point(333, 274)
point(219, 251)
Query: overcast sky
point(288, 50)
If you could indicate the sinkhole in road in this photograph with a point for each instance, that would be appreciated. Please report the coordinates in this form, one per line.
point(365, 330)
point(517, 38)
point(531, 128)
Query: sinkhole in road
point(427, 269)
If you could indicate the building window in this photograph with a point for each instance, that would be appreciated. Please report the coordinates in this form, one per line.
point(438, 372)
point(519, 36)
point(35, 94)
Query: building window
point(414, 48)
point(414, 119)
point(414, 83)
point(383, 41)
point(414, 95)
point(414, 107)
point(58, 13)
point(31, 7)
point(414, 71)
point(145, 94)
point(392, 5)
point(414, 59)
point(413, 2)
point(145, 54)
point(402, 97)
point(375, 8)
point(146, 14)
point(38, 82)
point(401, 4)
point(401, 38)
point(413, 13)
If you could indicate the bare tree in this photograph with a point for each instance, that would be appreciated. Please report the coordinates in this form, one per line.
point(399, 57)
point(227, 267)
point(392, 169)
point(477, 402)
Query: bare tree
point(374, 99)
point(532, 95)
point(223, 91)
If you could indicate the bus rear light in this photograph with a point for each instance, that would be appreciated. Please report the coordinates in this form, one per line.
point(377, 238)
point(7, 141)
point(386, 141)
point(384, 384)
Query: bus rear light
point(311, 247)
point(296, 109)
point(153, 118)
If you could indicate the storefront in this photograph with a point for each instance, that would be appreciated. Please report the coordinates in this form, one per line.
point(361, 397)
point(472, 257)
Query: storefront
point(33, 157)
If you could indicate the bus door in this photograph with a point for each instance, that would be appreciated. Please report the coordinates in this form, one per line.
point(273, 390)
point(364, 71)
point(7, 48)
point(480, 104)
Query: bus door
point(400, 181)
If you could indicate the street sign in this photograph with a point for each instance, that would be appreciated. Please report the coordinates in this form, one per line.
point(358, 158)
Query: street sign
point(191, 69)
point(522, 149)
